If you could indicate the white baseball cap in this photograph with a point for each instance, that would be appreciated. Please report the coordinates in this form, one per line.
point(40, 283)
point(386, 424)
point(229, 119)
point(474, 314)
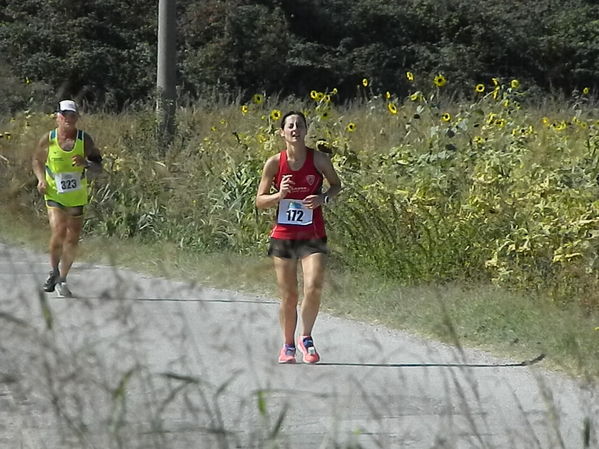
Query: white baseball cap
point(67, 105)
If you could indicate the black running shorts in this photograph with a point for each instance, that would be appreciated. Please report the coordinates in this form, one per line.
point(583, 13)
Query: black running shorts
point(297, 249)
point(76, 211)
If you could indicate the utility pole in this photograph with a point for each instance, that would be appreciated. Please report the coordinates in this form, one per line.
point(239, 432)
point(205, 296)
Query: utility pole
point(166, 73)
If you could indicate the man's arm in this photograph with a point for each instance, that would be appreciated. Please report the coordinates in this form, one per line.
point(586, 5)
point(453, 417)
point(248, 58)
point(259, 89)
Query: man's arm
point(93, 157)
point(38, 163)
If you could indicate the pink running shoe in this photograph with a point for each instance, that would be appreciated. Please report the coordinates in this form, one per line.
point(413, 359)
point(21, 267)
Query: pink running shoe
point(306, 346)
point(287, 354)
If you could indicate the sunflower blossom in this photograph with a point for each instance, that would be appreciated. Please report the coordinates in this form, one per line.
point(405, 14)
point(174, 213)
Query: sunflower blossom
point(440, 80)
point(275, 114)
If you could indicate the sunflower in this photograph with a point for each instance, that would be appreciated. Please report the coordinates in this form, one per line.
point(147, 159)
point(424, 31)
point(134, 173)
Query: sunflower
point(586, 91)
point(258, 99)
point(410, 76)
point(415, 96)
point(313, 94)
point(392, 108)
point(275, 115)
point(480, 88)
point(365, 82)
point(387, 95)
point(515, 84)
point(351, 127)
point(446, 117)
point(440, 80)
point(244, 109)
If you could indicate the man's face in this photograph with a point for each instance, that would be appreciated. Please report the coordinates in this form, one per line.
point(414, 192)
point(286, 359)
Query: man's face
point(67, 119)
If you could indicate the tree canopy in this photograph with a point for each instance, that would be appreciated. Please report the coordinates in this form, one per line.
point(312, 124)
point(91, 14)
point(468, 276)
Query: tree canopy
point(104, 51)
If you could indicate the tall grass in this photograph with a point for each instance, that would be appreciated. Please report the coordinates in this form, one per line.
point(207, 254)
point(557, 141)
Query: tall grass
point(498, 187)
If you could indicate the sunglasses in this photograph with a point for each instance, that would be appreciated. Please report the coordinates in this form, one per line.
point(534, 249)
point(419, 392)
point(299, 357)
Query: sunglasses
point(67, 113)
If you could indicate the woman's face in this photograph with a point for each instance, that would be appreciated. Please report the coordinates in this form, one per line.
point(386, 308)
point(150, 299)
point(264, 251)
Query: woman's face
point(294, 129)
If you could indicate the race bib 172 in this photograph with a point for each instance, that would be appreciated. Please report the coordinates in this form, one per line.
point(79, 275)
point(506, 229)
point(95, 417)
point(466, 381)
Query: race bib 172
point(294, 212)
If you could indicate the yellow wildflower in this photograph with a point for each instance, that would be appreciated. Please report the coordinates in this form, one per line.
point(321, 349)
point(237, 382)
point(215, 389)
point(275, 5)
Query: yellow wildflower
point(313, 94)
point(258, 99)
point(495, 81)
point(586, 91)
point(495, 93)
point(275, 114)
point(351, 127)
point(480, 88)
point(410, 76)
point(244, 109)
point(415, 96)
point(440, 80)
point(515, 84)
point(387, 95)
point(446, 117)
point(365, 82)
point(392, 108)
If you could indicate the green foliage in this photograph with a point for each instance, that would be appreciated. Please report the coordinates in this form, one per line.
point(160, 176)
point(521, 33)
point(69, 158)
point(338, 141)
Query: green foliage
point(105, 51)
point(97, 50)
point(487, 188)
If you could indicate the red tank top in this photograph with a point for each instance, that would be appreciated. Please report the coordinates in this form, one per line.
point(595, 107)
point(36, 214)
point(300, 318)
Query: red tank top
point(308, 181)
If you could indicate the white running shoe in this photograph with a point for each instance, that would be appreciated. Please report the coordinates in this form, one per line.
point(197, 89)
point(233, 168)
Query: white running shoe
point(63, 290)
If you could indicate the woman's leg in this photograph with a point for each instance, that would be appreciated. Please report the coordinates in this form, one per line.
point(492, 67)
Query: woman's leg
point(286, 271)
point(313, 267)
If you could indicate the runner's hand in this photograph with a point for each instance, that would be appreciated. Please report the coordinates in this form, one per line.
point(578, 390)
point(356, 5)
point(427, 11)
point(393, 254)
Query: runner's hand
point(78, 161)
point(42, 186)
point(286, 185)
point(313, 201)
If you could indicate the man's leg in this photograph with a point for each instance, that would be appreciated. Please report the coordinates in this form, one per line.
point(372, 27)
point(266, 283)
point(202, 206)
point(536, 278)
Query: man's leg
point(58, 229)
point(70, 244)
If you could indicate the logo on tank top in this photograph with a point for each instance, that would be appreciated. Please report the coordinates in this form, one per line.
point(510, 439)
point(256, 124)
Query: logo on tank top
point(310, 179)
